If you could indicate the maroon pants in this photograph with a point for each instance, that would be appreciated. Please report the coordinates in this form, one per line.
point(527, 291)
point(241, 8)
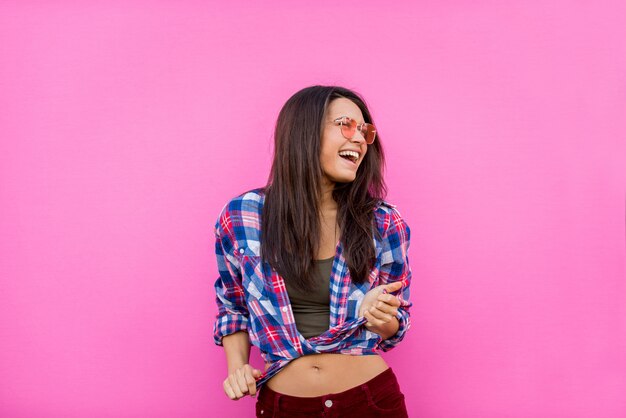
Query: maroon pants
point(378, 397)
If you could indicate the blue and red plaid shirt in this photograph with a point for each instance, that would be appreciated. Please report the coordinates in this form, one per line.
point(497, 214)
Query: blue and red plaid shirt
point(252, 297)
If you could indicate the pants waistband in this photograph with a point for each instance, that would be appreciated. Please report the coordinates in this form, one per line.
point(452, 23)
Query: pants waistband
point(384, 381)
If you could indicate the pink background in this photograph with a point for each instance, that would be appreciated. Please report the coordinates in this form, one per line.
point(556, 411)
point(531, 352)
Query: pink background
point(126, 126)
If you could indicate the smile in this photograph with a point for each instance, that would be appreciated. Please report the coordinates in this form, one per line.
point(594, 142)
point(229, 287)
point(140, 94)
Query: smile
point(352, 156)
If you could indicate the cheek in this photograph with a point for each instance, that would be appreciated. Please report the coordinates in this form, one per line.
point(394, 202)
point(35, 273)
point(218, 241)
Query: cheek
point(327, 160)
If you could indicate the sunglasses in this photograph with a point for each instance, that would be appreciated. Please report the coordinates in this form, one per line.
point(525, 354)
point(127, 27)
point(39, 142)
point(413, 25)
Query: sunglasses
point(349, 127)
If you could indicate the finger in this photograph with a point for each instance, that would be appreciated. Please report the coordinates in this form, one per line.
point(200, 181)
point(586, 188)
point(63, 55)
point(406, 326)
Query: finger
point(374, 322)
point(229, 391)
point(392, 287)
point(388, 309)
point(232, 379)
point(380, 315)
point(241, 381)
point(250, 382)
point(389, 299)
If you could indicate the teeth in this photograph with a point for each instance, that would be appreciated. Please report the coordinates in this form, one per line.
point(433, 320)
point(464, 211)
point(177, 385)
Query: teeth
point(352, 154)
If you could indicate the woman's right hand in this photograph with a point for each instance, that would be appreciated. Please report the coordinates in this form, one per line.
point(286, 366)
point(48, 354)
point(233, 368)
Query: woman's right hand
point(241, 382)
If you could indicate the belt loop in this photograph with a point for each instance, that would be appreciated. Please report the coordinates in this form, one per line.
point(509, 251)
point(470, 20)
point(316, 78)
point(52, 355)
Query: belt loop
point(276, 404)
point(366, 389)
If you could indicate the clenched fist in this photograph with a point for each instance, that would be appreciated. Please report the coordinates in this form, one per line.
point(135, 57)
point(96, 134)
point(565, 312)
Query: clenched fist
point(379, 307)
point(241, 381)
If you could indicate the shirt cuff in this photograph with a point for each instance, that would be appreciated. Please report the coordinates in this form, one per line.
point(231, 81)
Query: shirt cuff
point(405, 323)
point(229, 324)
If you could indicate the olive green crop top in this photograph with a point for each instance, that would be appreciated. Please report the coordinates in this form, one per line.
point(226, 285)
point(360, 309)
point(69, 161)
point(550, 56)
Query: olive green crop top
point(311, 310)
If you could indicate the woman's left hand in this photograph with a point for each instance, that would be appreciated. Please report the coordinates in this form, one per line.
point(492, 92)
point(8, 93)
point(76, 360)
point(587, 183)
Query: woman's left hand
point(380, 309)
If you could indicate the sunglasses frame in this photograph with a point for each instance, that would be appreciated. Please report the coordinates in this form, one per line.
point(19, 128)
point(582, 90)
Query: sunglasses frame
point(342, 121)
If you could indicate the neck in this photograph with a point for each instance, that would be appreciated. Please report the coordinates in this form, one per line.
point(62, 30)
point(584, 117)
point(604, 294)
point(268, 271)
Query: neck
point(327, 203)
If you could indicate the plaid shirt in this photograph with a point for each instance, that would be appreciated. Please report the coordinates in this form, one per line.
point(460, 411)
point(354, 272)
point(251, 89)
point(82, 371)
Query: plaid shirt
point(252, 297)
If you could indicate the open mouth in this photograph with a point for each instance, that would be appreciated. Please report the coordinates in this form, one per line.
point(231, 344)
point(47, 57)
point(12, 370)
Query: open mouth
point(351, 156)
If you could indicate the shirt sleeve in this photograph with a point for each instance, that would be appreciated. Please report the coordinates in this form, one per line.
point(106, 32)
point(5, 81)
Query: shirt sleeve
point(232, 314)
point(395, 267)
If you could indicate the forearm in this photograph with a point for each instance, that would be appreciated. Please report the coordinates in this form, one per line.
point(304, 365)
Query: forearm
point(237, 349)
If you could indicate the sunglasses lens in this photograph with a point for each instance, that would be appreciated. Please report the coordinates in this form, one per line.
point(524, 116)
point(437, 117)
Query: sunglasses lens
point(348, 128)
point(369, 133)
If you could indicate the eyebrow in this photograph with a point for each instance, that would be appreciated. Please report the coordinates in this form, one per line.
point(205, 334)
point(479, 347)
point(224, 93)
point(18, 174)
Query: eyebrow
point(341, 116)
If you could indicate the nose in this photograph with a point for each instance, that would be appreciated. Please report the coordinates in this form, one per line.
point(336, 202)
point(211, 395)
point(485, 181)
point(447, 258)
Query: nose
point(358, 137)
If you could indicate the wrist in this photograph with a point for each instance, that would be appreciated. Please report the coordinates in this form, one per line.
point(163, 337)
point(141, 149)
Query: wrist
point(233, 366)
point(237, 349)
point(390, 328)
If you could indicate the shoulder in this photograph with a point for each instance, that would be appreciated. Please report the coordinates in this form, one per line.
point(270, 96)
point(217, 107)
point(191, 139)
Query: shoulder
point(385, 210)
point(388, 218)
point(385, 206)
point(244, 208)
point(251, 200)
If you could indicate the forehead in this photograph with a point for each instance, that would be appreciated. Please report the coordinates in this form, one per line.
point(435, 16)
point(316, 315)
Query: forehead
point(344, 107)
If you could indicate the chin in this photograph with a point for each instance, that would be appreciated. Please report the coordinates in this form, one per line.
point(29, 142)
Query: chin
point(344, 179)
point(341, 175)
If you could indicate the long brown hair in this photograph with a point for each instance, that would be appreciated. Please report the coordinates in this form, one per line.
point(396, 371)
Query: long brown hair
point(290, 223)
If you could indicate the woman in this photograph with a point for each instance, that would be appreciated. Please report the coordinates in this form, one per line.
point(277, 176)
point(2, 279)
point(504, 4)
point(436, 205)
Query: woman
point(314, 269)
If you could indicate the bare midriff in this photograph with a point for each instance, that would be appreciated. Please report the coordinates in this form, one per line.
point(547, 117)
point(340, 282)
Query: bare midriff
point(321, 374)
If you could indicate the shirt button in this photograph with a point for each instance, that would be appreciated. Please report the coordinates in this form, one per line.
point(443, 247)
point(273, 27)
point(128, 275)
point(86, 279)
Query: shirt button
point(328, 403)
point(284, 309)
point(241, 250)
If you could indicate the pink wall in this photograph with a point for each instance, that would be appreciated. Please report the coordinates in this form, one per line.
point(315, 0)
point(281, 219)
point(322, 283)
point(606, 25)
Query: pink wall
point(125, 127)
